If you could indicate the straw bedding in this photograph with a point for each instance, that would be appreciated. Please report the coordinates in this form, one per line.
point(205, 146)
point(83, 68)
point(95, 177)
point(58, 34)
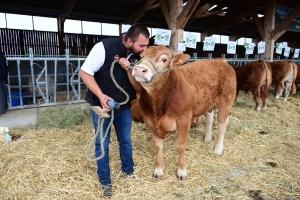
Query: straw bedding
point(261, 158)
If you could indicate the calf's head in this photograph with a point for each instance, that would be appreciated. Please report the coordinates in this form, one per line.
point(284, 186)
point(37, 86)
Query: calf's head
point(156, 60)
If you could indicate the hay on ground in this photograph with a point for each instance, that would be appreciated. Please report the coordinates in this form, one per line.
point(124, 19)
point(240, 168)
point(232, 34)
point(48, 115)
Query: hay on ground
point(261, 158)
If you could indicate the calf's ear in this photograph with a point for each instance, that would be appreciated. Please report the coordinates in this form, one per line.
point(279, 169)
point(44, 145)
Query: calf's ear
point(178, 60)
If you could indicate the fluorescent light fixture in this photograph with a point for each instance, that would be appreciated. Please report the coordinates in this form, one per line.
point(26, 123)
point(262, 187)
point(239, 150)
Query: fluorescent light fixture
point(213, 7)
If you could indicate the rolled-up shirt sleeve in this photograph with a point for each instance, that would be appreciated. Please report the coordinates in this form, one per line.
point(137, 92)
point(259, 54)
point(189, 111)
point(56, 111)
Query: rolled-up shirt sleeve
point(95, 59)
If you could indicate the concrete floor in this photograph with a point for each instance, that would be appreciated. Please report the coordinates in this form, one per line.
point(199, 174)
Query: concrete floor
point(25, 117)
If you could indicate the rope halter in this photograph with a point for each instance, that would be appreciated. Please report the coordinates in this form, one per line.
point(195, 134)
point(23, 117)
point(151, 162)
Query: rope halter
point(157, 71)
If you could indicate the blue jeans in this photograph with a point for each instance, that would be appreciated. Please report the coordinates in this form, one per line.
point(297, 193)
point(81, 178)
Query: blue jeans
point(122, 123)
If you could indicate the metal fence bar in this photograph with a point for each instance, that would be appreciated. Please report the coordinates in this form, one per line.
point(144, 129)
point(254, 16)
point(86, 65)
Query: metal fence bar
point(22, 68)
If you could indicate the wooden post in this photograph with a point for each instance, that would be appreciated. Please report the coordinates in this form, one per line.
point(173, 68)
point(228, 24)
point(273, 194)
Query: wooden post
point(177, 34)
point(61, 35)
point(269, 27)
point(176, 18)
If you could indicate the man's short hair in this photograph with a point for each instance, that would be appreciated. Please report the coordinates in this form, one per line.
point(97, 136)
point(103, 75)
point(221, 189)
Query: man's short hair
point(135, 30)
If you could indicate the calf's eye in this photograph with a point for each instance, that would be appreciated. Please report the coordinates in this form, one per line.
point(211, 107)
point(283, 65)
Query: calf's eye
point(164, 60)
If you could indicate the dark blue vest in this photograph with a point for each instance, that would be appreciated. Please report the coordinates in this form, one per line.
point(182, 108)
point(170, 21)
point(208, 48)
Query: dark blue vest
point(113, 47)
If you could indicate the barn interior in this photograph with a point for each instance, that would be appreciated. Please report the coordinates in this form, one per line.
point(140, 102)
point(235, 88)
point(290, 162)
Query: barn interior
point(50, 75)
point(46, 158)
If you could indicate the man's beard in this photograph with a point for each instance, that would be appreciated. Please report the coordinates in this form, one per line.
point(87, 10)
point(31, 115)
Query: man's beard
point(133, 50)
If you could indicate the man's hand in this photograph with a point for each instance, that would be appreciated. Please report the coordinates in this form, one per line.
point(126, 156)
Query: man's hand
point(103, 99)
point(125, 64)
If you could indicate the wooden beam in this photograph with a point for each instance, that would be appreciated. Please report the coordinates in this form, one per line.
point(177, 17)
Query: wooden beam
point(202, 9)
point(282, 2)
point(278, 35)
point(220, 11)
point(176, 7)
point(135, 16)
point(67, 9)
point(186, 13)
point(284, 23)
point(269, 23)
point(163, 5)
point(203, 35)
point(256, 21)
point(60, 24)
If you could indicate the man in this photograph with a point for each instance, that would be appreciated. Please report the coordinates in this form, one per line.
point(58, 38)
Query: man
point(95, 72)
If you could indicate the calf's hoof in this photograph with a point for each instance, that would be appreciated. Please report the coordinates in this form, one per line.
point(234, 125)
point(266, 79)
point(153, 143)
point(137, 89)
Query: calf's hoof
point(182, 174)
point(218, 151)
point(208, 138)
point(158, 173)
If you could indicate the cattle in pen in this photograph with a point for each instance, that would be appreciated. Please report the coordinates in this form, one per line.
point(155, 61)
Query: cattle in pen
point(284, 74)
point(257, 77)
point(172, 96)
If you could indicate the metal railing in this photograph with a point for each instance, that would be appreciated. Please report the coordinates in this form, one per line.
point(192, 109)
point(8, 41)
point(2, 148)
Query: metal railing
point(240, 61)
point(57, 81)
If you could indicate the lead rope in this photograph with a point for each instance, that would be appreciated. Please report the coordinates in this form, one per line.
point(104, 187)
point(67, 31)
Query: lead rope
point(101, 121)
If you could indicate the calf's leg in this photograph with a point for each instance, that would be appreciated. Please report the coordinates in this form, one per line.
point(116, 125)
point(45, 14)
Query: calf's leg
point(159, 163)
point(279, 90)
point(209, 117)
point(223, 119)
point(180, 144)
point(288, 87)
point(264, 96)
point(256, 95)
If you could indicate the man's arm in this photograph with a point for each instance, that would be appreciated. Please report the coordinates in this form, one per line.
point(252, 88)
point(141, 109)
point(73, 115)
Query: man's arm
point(91, 83)
point(135, 84)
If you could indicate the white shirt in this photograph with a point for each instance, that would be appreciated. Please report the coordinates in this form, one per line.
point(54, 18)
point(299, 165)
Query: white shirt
point(95, 59)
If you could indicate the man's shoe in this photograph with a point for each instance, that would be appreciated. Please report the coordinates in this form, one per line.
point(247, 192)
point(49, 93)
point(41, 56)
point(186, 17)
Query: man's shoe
point(107, 191)
point(131, 175)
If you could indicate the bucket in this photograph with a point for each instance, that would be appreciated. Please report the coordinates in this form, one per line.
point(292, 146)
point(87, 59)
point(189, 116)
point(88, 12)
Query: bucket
point(15, 98)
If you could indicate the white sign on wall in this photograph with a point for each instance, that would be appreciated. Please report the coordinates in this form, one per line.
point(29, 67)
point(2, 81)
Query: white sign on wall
point(284, 44)
point(261, 47)
point(231, 47)
point(191, 40)
point(209, 44)
point(163, 37)
point(287, 51)
point(181, 46)
point(296, 53)
point(279, 47)
point(249, 48)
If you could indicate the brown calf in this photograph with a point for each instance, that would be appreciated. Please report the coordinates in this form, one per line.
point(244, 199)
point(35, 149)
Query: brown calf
point(172, 96)
point(257, 77)
point(284, 74)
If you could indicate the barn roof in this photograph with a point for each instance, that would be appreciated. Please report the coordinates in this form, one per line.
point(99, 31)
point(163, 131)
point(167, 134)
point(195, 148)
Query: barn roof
point(229, 17)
